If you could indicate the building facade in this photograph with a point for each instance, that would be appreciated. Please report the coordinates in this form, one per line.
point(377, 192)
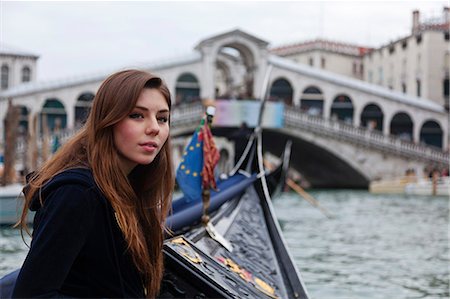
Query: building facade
point(416, 65)
point(336, 57)
point(16, 67)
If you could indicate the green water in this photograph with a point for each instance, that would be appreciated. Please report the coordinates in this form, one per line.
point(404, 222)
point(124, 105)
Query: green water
point(375, 246)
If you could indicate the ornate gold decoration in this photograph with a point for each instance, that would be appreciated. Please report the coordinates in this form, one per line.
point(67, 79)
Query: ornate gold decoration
point(186, 250)
point(248, 277)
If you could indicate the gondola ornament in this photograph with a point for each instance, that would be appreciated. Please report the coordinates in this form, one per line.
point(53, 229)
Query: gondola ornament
point(210, 159)
point(201, 157)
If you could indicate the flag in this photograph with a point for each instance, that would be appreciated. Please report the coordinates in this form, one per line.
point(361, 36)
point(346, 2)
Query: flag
point(196, 170)
point(210, 158)
point(189, 172)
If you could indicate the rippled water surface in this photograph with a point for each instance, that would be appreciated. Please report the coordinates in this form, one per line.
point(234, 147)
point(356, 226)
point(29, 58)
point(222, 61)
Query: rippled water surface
point(374, 246)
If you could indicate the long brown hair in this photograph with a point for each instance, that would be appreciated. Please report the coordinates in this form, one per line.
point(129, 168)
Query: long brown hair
point(141, 200)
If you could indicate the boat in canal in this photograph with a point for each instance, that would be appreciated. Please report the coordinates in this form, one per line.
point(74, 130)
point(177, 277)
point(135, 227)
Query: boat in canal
point(243, 253)
point(440, 187)
point(412, 186)
point(11, 204)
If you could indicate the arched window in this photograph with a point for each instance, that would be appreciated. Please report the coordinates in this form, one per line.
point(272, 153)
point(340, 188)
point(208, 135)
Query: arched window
point(311, 101)
point(55, 114)
point(83, 107)
point(187, 89)
point(281, 90)
point(26, 74)
point(431, 133)
point(23, 120)
point(4, 74)
point(372, 117)
point(402, 126)
point(342, 109)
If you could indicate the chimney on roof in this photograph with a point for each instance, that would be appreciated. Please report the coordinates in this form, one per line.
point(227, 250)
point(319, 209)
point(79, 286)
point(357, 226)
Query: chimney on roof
point(446, 14)
point(416, 25)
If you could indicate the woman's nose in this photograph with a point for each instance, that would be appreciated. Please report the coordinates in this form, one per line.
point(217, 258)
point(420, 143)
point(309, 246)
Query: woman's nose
point(152, 127)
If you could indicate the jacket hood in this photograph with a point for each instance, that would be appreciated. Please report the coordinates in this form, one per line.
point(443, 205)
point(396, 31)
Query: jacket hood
point(77, 176)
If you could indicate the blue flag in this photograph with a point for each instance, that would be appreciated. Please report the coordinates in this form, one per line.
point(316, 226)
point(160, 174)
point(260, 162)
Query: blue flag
point(189, 177)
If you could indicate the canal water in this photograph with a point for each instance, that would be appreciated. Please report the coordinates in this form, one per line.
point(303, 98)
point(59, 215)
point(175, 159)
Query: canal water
point(374, 246)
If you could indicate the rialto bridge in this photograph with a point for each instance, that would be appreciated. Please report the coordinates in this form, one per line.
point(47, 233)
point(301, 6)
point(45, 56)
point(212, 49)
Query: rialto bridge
point(345, 131)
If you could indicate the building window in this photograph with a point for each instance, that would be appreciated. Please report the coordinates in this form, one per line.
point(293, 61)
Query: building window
point(447, 35)
point(419, 63)
point(361, 69)
point(370, 75)
point(419, 38)
point(391, 49)
point(404, 87)
point(404, 44)
point(446, 88)
point(311, 61)
point(355, 67)
point(418, 88)
point(4, 77)
point(380, 75)
point(26, 74)
point(322, 62)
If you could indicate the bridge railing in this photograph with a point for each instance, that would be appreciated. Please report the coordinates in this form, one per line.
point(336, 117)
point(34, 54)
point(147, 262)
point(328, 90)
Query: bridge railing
point(186, 114)
point(363, 136)
point(63, 135)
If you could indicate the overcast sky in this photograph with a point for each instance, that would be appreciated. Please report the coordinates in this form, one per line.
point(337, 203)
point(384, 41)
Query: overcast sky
point(74, 38)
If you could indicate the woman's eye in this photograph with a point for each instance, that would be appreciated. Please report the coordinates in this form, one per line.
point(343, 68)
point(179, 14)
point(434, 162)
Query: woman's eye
point(136, 115)
point(163, 119)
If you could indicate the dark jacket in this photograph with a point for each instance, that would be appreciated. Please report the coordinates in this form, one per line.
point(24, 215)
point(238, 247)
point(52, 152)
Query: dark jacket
point(77, 249)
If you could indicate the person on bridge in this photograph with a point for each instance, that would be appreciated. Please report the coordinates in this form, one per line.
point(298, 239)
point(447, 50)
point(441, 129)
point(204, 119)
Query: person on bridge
point(101, 201)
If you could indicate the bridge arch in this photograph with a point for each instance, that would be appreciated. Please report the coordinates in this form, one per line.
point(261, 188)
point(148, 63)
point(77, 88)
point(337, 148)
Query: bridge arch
point(372, 117)
point(312, 101)
point(431, 133)
point(402, 126)
point(54, 113)
point(342, 108)
point(83, 107)
point(253, 56)
point(224, 79)
point(243, 62)
point(187, 89)
point(281, 89)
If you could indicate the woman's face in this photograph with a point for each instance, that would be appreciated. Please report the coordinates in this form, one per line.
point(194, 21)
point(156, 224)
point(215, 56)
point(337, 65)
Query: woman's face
point(140, 135)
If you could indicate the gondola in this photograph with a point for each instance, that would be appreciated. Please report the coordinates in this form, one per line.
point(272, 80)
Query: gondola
point(245, 256)
point(241, 252)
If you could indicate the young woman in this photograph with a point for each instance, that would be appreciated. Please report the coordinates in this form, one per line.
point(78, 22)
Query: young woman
point(101, 201)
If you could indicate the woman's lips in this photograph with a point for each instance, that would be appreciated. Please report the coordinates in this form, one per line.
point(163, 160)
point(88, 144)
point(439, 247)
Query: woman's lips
point(149, 146)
